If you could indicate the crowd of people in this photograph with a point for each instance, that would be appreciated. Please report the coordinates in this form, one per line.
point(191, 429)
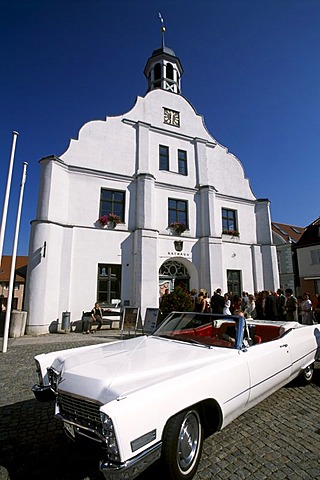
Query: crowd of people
point(269, 305)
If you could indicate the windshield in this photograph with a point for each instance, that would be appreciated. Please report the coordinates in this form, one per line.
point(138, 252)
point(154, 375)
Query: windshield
point(201, 328)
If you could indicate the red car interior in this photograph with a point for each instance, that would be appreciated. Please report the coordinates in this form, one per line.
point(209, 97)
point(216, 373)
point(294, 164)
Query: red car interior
point(213, 335)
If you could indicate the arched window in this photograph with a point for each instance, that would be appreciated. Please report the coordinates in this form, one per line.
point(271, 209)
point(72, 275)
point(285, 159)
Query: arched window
point(175, 272)
point(169, 72)
point(157, 71)
point(157, 75)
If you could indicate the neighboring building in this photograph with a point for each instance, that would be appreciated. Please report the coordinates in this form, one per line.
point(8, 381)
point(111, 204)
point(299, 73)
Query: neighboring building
point(308, 255)
point(285, 237)
point(19, 281)
point(153, 166)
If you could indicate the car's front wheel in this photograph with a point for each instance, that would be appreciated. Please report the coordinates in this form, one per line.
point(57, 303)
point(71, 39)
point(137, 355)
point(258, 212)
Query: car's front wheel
point(307, 373)
point(182, 445)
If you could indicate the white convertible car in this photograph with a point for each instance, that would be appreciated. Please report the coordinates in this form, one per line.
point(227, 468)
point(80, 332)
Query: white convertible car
point(158, 396)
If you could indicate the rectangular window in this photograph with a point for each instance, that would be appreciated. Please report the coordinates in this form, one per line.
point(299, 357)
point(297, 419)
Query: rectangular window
point(112, 201)
point(229, 222)
point(178, 211)
point(163, 157)
point(315, 256)
point(182, 162)
point(109, 283)
point(234, 282)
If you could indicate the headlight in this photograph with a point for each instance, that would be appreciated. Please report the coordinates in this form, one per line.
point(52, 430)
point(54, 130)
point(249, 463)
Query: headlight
point(110, 437)
point(39, 373)
point(54, 378)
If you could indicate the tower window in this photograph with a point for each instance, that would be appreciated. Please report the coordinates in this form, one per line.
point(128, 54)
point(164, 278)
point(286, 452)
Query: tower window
point(169, 71)
point(157, 71)
point(157, 75)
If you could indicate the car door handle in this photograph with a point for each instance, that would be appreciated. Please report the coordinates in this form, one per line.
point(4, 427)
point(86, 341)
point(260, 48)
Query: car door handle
point(284, 345)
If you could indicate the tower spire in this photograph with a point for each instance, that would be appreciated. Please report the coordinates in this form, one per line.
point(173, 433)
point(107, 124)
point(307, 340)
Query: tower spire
point(163, 29)
point(163, 69)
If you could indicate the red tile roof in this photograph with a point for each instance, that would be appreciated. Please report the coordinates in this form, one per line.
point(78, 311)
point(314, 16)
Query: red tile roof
point(5, 269)
point(287, 232)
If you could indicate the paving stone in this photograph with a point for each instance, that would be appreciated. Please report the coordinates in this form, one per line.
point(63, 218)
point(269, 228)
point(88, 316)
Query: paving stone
point(276, 440)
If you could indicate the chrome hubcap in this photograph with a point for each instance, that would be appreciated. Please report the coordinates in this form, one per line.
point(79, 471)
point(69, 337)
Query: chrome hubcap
point(188, 440)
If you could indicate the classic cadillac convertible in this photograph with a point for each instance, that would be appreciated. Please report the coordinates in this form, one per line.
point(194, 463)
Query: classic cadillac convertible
point(158, 396)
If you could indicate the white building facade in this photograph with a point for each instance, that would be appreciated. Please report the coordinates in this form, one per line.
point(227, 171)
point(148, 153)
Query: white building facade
point(153, 166)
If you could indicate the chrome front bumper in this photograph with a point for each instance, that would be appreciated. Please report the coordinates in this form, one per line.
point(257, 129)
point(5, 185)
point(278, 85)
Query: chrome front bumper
point(132, 468)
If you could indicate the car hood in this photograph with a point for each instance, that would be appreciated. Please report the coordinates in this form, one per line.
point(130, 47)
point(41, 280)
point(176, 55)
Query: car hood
point(109, 371)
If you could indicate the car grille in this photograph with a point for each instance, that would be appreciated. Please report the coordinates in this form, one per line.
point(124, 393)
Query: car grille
point(81, 411)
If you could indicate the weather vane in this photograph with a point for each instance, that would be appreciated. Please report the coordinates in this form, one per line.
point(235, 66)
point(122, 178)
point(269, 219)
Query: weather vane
point(163, 28)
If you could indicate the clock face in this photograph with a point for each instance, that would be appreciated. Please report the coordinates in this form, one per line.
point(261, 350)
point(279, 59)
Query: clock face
point(171, 117)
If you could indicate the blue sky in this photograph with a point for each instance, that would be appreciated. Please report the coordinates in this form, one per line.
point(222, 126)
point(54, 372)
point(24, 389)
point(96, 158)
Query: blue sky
point(251, 68)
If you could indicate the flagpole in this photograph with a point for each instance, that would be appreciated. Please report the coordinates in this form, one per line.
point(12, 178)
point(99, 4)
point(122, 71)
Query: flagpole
point(6, 199)
point(13, 262)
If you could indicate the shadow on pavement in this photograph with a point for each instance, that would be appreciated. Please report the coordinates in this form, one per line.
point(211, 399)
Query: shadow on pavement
point(33, 445)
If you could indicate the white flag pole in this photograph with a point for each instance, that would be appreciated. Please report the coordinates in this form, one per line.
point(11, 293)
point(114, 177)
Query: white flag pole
point(13, 262)
point(6, 198)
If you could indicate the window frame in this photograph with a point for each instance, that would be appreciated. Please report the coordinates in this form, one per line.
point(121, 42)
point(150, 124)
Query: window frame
point(116, 206)
point(234, 281)
point(177, 214)
point(110, 293)
point(164, 158)
point(182, 160)
point(315, 256)
point(229, 223)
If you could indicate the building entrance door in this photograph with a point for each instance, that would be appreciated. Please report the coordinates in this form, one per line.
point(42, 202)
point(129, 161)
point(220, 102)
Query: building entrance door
point(171, 274)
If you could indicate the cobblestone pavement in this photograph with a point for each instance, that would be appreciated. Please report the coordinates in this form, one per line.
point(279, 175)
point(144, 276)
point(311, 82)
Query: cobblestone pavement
point(277, 439)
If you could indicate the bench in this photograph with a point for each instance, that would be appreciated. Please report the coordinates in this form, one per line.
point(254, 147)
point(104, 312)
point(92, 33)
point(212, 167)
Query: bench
point(106, 320)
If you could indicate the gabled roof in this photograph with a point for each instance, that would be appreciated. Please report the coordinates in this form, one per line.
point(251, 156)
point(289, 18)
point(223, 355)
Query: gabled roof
point(289, 233)
point(5, 269)
point(311, 235)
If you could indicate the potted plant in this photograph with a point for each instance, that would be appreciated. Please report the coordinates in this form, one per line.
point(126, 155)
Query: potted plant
point(103, 220)
point(233, 233)
point(177, 227)
point(112, 219)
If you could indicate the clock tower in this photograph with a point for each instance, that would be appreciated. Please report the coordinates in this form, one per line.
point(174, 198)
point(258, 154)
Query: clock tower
point(163, 69)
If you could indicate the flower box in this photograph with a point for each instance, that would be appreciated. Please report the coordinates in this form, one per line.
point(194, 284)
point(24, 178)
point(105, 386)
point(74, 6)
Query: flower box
point(110, 219)
point(233, 233)
point(177, 227)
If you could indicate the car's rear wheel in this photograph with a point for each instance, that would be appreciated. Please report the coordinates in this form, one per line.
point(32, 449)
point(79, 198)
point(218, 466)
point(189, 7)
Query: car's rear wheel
point(182, 445)
point(307, 373)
